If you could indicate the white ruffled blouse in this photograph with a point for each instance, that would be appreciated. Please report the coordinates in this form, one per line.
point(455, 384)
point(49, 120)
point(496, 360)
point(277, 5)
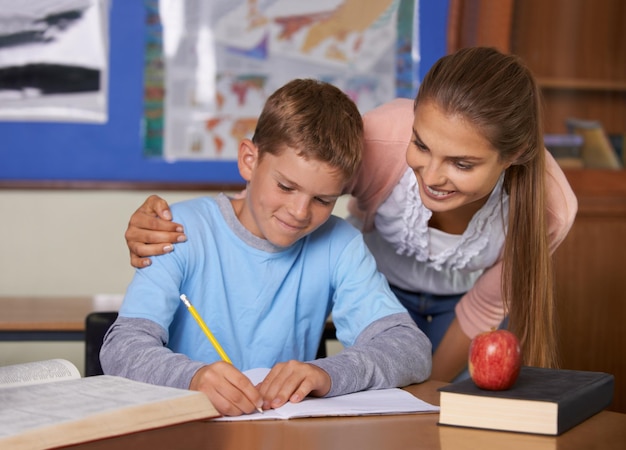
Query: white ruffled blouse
point(418, 258)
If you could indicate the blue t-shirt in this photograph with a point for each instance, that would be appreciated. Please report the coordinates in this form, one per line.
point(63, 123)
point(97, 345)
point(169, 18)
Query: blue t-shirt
point(263, 304)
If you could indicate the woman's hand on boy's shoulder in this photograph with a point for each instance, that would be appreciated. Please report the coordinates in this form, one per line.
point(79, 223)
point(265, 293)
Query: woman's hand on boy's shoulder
point(151, 231)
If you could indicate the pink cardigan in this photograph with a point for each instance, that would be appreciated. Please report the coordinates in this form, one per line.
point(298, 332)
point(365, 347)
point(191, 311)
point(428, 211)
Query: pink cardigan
point(388, 131)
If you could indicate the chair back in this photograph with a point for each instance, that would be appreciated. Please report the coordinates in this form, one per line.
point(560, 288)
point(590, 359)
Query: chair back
point(96, 326)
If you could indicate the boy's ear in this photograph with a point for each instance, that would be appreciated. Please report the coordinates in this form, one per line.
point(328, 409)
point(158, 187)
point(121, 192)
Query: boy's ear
point(247, 158)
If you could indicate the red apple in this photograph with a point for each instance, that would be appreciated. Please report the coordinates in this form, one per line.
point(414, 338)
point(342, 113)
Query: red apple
point(495, 359)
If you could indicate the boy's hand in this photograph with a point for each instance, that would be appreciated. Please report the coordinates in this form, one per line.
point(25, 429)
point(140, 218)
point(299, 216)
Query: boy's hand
point(292, 381)
point(230, 391)
point(151, 231)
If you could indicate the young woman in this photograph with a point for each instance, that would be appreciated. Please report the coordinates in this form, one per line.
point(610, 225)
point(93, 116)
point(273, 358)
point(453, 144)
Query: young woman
point(465, 233)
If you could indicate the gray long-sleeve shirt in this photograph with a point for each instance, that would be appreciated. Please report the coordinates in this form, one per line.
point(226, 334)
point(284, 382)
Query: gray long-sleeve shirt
point(390, 352)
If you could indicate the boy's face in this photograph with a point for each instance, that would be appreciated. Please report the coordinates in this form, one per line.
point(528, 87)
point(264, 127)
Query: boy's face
point(287, 196)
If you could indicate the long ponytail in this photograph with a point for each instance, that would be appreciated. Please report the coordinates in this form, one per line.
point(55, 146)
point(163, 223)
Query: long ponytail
point(498, 94)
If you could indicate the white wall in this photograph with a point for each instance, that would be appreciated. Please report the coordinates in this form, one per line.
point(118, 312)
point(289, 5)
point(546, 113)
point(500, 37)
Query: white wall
point(57, 243)
point(67, 243)
point(64, 243)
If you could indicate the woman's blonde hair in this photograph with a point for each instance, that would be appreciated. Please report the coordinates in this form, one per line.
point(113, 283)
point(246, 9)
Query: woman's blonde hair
point(497, 93)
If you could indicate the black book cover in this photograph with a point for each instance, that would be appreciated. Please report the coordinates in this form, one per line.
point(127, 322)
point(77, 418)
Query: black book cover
point(578, 394)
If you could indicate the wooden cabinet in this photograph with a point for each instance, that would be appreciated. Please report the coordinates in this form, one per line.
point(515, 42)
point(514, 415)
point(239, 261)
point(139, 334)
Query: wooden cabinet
point(575, 48)
point(590, 270)
point(577, 51)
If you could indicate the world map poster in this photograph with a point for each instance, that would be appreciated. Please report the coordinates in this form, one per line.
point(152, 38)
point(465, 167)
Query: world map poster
point(210, 66)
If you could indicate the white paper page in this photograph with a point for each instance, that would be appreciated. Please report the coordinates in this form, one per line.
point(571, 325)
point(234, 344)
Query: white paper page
point(65, 401)
point(257, 375)
point(37, 372)
point(381, 401)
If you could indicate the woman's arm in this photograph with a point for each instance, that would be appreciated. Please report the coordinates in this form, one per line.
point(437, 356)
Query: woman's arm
point(151, 231)
point(450, 358)
point(387, 133)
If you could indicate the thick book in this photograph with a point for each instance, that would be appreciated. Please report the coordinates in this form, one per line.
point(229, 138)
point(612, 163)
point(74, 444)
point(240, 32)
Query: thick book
point(46, 404)
point(542, 401)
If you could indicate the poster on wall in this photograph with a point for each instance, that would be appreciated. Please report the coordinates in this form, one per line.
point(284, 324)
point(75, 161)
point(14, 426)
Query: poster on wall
point(54, 60)
point(210, 66)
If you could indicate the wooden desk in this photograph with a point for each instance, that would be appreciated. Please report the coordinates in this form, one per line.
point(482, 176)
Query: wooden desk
point(606, 430)
point(48, 318)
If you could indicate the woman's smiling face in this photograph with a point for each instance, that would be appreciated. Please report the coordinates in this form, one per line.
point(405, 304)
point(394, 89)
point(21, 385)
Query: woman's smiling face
point(455, 165)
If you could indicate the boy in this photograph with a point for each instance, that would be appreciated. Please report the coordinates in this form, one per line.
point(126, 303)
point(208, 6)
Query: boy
point(265, 270)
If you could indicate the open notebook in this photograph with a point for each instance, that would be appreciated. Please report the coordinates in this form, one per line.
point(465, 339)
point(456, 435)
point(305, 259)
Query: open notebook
point(381, 401)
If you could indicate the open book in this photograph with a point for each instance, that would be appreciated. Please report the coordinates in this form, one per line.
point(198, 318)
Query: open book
point(47, 404)
point(381, 401)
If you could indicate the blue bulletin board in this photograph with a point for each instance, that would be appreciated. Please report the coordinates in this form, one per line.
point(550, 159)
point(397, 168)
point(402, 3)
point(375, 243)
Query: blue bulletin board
point(110, 154)
point(72, 154)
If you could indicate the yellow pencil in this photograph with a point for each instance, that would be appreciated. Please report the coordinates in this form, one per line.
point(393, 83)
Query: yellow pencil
point(206, 330)
point(208, 334)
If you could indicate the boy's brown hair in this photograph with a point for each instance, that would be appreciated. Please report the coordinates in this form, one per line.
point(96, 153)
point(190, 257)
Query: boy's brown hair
point(317, 120)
